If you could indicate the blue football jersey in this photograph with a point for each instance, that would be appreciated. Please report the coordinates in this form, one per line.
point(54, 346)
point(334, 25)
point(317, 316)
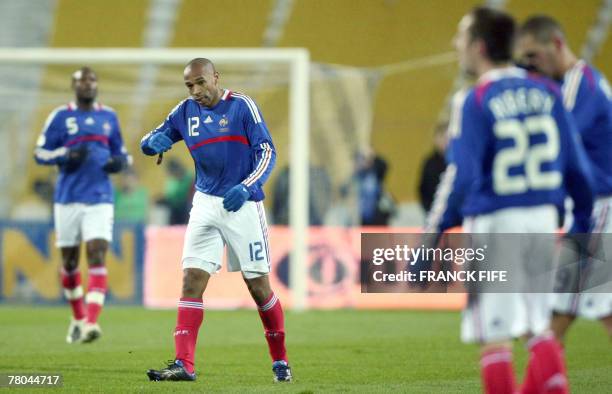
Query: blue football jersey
point(69, 127)
point(229, 143)
point(512, 144)
point(586, 93)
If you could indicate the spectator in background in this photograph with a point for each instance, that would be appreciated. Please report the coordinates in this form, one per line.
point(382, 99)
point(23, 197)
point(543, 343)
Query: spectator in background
point(433, 167)
point(177, 192)
point(131, 199)
point(318, 201)
point(375, 204)
point(343, 209)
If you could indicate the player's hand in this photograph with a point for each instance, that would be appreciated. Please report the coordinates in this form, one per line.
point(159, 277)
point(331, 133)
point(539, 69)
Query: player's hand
point(160, 142)
point(75, 157)
point(235, 197)
point(114, 164)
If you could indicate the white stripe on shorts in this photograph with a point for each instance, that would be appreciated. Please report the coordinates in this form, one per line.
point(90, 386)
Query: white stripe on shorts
point(264, 229)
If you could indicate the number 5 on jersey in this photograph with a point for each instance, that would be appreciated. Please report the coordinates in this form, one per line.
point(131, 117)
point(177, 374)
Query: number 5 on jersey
point(72, 125)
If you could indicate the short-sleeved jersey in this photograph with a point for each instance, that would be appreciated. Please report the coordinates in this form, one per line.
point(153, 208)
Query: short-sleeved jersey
point(587, 95)
point(69, 127)
point(229, 143)
point(512, 144)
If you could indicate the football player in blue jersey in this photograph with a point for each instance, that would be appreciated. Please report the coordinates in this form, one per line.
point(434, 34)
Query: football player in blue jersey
point(512, 156)
point(83, 139)
point(233, 155)
point(586, 93)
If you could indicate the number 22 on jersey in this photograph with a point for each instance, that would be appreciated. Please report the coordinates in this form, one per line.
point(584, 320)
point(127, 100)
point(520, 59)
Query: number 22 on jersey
point(530, 156)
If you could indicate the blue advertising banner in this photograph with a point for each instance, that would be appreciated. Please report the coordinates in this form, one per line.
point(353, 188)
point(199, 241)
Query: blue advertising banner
point(30, 263)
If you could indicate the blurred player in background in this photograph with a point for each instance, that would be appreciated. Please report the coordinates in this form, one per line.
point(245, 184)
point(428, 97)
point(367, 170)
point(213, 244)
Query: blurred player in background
point(587, 95)
point(84, 140)
point(493, 181)
point(234, 155)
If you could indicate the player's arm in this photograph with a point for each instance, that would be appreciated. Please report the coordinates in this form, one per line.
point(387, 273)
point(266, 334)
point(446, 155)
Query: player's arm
point(165, 135)
point(578, 178)
point(262, 147)
point(465, 149)
point(119, 159)
point(50, 149)
point(581, 102)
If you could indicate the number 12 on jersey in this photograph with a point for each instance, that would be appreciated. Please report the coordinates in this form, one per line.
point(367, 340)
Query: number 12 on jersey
point(192, 125)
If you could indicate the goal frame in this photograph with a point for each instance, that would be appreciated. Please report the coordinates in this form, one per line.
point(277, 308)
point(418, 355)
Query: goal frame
point(298, 60)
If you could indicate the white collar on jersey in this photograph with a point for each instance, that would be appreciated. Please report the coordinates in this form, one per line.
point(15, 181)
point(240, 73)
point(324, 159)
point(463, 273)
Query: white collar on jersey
point(72, 106)
point(226, 94)
point(499, 73)
point(578, 66)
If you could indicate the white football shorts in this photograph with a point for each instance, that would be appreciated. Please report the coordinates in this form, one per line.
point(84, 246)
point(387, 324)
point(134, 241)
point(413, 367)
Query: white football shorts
point(78, 222)
point(211, 227)
point(497, 317)
point(598, 303)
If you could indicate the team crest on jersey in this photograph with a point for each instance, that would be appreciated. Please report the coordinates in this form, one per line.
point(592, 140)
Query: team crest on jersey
point(89, 121)
point(107, 128)
point(223, 122)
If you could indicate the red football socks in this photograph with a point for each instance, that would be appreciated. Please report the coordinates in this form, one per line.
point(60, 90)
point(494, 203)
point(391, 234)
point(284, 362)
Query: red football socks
point(271, 314)
point(546, 371)
point(497, 372)
point(96, 292)
point(73, 291)
point(188, 322)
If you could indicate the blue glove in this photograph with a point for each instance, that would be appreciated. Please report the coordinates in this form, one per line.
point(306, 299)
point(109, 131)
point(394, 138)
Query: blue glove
point(235, 197)
point(159, 142)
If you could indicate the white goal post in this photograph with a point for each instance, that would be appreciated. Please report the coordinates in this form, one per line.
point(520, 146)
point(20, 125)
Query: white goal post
point(298, 61)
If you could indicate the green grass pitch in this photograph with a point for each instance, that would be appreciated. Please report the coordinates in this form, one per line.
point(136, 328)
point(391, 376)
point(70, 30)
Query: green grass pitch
point(332, 351)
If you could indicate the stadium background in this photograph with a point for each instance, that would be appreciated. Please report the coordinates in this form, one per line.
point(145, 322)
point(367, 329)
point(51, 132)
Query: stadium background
point(381, 75)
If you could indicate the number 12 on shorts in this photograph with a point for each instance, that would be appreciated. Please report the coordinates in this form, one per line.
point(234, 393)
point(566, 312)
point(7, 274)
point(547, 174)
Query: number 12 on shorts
point(256, 251)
